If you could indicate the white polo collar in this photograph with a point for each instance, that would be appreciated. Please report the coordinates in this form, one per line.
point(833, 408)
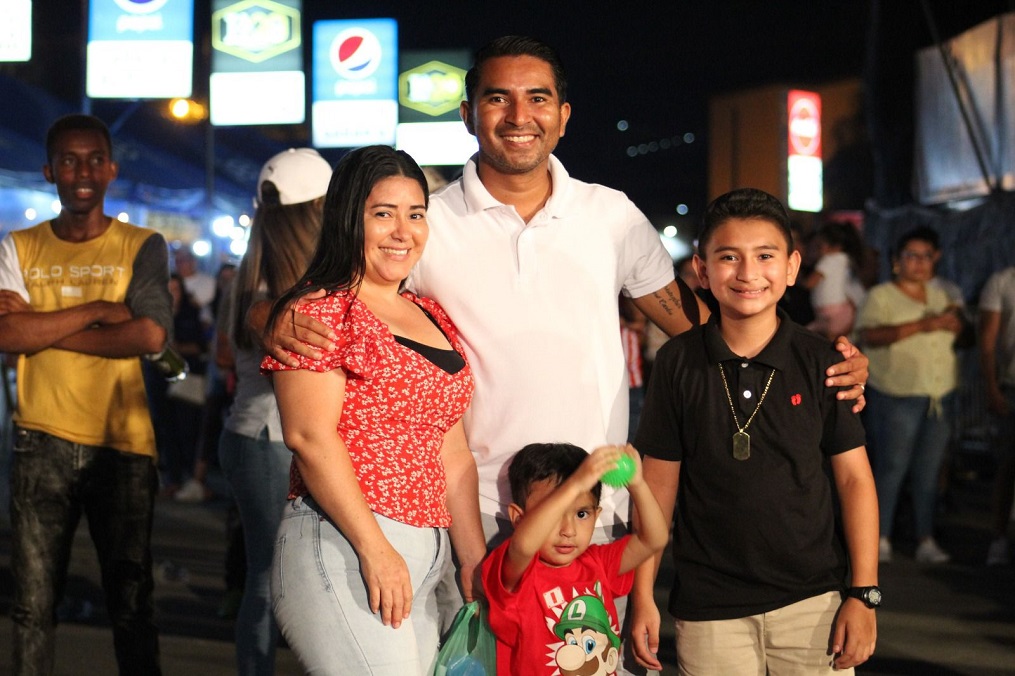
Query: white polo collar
point(478, 198)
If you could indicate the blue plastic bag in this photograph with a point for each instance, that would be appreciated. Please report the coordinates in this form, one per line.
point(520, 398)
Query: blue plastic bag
point(470, 648)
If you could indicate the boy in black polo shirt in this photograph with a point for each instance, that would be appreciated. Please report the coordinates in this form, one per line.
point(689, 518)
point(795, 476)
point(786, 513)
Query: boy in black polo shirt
point(760, 566)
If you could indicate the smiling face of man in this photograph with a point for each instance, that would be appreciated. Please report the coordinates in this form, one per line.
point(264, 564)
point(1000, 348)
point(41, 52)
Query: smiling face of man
point(516, 114)
point(81, 167)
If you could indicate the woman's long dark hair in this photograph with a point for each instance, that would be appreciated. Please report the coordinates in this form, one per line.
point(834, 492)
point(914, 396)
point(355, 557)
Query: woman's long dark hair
point(282, 239)
point(339, 262)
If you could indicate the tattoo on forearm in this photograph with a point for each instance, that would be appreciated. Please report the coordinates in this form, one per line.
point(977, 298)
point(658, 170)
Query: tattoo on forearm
point(670, 303)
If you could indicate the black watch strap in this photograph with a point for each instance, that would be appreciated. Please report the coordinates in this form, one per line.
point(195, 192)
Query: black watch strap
point(871, 596)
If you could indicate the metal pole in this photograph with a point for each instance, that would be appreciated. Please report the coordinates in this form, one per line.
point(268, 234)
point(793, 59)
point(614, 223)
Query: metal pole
point(209, 171)
point(86, 103)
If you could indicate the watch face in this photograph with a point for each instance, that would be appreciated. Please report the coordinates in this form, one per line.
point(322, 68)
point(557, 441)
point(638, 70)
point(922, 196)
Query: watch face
point(873, 596)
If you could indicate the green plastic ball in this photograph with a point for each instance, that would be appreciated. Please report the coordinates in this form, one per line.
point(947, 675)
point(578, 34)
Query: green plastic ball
point(621, 474)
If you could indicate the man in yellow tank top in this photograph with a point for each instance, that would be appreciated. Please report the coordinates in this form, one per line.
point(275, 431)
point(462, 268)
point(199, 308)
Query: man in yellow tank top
point(82, 297)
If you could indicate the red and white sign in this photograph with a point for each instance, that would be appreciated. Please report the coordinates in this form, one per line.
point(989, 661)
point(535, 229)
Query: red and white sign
point(804, 123)
point(804, 171)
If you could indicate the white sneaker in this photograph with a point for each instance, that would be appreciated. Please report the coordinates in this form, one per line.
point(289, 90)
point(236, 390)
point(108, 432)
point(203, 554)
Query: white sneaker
point(929, 552)
point(997, 553)
point(884, 550)
point(190, 491)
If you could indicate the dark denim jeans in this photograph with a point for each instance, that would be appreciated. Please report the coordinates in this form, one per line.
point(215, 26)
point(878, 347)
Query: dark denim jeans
point(907, 440)
point(53, 482)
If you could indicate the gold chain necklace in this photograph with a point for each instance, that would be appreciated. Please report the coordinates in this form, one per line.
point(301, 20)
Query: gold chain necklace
point(742, 440)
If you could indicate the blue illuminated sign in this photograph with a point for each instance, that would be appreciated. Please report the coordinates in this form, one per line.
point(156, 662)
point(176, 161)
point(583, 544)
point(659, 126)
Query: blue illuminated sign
point(140, 48)
point(355, 84)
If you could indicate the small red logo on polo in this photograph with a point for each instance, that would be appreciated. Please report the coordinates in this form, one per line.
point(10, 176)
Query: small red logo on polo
point(796, 400)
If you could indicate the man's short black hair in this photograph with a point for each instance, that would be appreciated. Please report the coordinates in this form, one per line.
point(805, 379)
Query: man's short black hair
point(516, 45)
point(75, 122)
point(537, 462)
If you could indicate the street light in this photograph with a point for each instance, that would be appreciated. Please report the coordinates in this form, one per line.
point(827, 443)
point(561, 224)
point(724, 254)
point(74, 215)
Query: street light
point(187, 111)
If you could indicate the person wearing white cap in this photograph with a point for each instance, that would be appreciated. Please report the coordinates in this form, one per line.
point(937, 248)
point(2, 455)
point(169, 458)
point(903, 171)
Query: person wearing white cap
point(255, 461)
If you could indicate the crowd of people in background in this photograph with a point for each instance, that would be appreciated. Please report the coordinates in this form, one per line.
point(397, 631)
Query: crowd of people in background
point(364, 400)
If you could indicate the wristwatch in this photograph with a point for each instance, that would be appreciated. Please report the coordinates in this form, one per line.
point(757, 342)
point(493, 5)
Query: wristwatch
point(871, 596)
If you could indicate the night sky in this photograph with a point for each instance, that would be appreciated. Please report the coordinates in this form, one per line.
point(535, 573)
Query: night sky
point(653, 64)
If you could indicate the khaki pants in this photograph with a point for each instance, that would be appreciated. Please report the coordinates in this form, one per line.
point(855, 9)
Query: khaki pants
point(789, 641)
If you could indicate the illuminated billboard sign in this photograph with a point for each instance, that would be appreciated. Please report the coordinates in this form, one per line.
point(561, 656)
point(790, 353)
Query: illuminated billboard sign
point(431, 88)
point(140, 49)
point(431, 85)
point(355, 84)
point(257, 62)
point(805, 189)
point(16, 30)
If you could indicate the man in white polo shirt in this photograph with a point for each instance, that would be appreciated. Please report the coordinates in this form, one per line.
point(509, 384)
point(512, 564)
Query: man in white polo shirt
point(528, 262)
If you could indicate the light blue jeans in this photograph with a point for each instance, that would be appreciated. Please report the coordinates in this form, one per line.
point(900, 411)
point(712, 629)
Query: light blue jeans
point(258, 473)
point(907, 438)
point(321, 602)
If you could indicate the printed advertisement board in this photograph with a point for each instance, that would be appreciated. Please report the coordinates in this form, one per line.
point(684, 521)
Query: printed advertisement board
point(140, 49)
point(355, 83)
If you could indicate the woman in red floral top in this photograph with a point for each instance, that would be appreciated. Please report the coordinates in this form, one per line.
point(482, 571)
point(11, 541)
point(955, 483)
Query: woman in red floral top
point(382, 477)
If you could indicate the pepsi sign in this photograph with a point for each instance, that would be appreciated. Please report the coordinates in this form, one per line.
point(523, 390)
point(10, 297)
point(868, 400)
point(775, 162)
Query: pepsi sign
point(141, 6)
point(140, 15)
point(355, 53)
point(140, 49)
point(355, 85)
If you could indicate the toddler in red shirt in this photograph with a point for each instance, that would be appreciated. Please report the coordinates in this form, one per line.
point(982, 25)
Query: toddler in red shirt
point(550, 590)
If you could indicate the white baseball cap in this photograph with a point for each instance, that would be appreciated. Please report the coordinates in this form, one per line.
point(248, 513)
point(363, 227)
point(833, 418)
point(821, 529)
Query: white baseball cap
point(299, 174)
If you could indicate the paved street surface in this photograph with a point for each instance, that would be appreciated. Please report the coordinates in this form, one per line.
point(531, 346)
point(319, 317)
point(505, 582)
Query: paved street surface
point(951, 620)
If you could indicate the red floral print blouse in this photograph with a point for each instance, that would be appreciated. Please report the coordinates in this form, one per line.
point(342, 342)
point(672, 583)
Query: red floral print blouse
point(398, 407)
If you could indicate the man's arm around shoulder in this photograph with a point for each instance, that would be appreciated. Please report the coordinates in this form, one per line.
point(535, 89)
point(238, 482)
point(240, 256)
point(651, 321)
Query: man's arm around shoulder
point(673, 308)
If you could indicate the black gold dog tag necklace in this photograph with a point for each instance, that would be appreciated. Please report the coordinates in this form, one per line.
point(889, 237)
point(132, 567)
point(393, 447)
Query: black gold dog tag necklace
point(741, 439)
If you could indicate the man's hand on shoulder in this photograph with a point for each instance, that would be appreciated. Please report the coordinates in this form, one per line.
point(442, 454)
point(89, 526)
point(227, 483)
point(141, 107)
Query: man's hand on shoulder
point(292, 332)
point(851, 372)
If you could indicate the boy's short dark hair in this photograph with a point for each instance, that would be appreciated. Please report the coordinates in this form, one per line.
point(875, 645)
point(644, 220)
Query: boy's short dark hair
point(537, 462)
point(75, 122)
point(743, 203)
point(516, 45)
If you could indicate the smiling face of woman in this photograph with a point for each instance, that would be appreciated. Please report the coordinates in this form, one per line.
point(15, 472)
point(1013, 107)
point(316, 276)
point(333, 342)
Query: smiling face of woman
point(394, 230)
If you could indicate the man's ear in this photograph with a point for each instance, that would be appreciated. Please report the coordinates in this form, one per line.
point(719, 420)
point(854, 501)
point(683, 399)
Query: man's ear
point(515, 512)
point(565, 115)
point(47, 172)
point(465, 111)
